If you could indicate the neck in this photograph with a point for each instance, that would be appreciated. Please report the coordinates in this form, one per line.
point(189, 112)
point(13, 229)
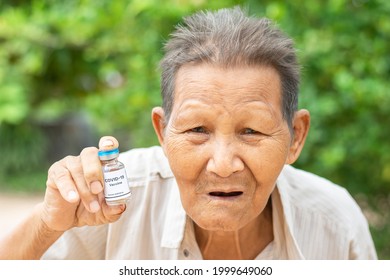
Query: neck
point(245, 243)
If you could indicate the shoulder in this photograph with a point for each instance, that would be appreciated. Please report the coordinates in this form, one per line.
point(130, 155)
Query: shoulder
point(313, 194)
point(323, 213)
point(144, 162)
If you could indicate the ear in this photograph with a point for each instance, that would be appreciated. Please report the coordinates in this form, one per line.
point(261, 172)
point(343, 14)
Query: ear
point(301, 125)
point(158, 120)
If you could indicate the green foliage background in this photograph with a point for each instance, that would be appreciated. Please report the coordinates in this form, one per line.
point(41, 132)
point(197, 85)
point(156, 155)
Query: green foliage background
point(101, 57)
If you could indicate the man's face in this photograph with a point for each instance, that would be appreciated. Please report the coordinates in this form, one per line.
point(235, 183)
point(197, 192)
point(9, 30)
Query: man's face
point(226, 142)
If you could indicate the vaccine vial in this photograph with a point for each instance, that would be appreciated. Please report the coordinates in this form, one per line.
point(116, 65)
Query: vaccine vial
point(116, 186)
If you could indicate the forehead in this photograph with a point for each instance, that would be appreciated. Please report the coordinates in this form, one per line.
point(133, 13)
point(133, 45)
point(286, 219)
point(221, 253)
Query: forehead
point(213, 84)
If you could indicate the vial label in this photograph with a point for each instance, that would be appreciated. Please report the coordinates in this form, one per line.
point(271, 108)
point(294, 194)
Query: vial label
point(116, 185)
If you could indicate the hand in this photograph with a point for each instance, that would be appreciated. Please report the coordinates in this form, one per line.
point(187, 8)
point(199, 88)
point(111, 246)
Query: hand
point(74, 191)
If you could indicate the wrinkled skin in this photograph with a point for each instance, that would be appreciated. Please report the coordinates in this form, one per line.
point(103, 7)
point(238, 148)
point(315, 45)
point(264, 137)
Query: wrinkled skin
point(74, 193)
point(227, 142)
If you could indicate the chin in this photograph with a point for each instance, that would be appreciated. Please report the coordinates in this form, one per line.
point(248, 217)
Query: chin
point(221, 223)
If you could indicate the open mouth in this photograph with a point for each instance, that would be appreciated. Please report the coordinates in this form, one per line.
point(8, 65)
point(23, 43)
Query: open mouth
point(225, 194)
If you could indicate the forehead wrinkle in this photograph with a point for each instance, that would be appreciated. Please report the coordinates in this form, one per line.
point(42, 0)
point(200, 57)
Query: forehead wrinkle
point(253, 99)
point(223, 105)
point(193, 103)
point(228, 94)
point(196, 90)
point(261, 104)
point(262, 94)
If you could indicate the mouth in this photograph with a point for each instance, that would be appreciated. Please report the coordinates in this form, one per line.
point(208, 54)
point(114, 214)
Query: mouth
point(226, 194)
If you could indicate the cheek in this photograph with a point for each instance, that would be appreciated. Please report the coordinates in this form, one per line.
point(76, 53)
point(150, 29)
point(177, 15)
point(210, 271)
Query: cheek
point(273, 153)
point(185, 160)
point(267, 164)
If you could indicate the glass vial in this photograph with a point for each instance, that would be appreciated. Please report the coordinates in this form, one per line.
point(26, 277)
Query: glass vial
point(116, 186)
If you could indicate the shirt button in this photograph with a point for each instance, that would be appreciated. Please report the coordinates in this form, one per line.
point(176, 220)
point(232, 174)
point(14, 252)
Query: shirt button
point(186, 253)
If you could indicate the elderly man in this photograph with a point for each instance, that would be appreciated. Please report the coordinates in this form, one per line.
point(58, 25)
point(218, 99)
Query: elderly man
point(221, 185)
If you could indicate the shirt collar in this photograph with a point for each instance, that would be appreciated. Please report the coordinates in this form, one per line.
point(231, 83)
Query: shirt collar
point(175, 221)
point(283, 219)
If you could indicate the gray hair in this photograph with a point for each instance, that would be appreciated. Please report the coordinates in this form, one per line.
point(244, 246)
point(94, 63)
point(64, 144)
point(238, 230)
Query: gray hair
point(228, 38)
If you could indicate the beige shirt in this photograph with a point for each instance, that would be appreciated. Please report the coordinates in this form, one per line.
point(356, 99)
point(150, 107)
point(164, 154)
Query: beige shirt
point(313, 219)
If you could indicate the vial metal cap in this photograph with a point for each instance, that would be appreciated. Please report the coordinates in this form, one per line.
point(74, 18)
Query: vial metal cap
point(108, 154)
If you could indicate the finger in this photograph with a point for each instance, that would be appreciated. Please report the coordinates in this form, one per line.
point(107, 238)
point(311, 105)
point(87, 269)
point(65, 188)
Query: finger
point(75, 167)
point(113, 213)
point(92, 169)
point(60, 178)
point(108, 143)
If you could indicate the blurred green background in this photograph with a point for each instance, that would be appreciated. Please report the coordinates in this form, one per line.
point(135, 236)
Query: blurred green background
point(72, 71)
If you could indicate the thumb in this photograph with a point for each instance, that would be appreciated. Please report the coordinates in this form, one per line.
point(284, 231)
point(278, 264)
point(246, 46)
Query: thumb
point(108, 143)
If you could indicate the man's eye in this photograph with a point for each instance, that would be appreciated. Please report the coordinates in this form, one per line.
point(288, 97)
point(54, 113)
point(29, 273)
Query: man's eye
point(249, 131)
point(199, 129)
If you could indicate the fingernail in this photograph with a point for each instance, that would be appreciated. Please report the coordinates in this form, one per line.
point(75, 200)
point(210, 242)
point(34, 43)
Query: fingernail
point(72, 195)
point(94, 206)
point(96, 187)
point(107, 143)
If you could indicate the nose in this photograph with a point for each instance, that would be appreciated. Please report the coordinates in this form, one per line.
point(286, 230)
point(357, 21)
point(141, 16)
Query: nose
point(224, 159)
